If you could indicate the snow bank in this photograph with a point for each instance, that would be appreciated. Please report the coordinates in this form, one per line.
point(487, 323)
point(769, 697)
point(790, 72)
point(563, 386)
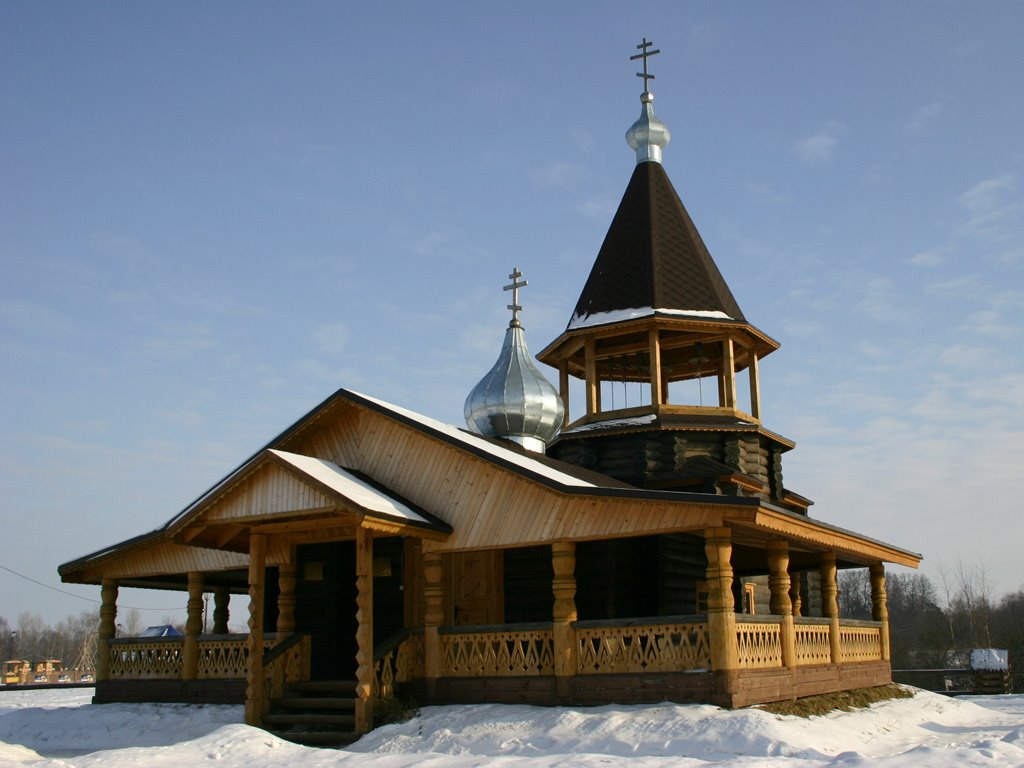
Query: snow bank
point(63, 730)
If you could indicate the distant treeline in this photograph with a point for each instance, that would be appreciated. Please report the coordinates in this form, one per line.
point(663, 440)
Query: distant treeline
point(936, 627)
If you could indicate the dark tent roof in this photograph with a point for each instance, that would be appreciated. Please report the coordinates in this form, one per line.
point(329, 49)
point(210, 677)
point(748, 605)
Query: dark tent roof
point(653, 256)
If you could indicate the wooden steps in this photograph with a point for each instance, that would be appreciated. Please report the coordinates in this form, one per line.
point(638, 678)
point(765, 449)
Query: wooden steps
point(315, 713)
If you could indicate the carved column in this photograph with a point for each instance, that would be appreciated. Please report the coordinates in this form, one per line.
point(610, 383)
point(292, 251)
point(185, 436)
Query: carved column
point(563, 562)
point(364, 630)
point(721, 609)
point(193, 626)
point(780, 603)
point(795, 583)
point(433, 617)
point(221, 599)
point(254, 691)
point(286, 596)
point(108, 627)
point(830, 604)
point(879, 606)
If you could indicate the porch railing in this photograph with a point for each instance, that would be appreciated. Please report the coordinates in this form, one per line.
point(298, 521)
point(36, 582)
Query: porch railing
point(758, 641)
point(659, 644)
point(220, 657)
point(860, 640)
point(504, 650)
point(812, 640)
point(145, 658)
point(397, 660)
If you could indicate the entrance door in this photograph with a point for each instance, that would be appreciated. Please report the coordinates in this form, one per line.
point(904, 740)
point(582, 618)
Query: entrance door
point(325, 607)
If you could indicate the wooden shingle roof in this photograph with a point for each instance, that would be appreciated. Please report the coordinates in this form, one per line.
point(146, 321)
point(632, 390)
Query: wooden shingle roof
point(654, 257)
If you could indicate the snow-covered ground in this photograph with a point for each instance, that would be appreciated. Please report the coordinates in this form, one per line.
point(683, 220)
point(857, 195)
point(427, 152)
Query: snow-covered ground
point(60, 728)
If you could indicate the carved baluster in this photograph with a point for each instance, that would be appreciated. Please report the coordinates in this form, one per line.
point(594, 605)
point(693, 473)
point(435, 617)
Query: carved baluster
point(795, 583)
point(221, 600)
point(879, 607)
point(108, 627)
point(780, 603)
point(433, 616)
point(721, 610)
point(563, 561)
point(830, 605)
point(193, 626)
point(364, 630)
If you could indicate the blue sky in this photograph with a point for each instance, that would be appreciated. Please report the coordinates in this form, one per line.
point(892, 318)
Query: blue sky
point(212, 215)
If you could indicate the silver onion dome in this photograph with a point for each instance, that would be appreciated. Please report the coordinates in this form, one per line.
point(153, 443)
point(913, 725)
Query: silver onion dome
point(648, 135)
point(513, 400)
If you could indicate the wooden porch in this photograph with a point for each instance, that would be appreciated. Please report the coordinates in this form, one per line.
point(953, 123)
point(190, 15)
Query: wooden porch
point(720, 656)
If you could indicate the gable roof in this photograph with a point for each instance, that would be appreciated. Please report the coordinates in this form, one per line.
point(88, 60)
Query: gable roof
point(365, 495)
point(653, 260)
point(353, 490)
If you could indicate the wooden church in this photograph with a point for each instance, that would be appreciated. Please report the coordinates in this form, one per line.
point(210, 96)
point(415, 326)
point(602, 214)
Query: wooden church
point(557, 552)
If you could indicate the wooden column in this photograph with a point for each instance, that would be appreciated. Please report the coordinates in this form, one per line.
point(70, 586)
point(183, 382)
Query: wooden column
point(721, 606)
point(563, 390)
point(433, 617)
point(879, 606)
point(563, 562)
point(108, 627)
point(780, 603)
point(729, 373)
point(830, 604)
point(364, 630)
point(193, 626)
point(797, 600)
point(286, 576)
point(654, 350)
point(593, 385)
point(755, 386)
point(221, 599)
point(255, 696)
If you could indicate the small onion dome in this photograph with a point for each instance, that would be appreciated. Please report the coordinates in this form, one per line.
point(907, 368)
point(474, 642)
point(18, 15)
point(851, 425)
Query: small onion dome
point(514, 400)
point(648, 135)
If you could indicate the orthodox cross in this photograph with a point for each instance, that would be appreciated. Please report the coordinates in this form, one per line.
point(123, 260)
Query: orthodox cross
point(644, 54)
point(514, 287)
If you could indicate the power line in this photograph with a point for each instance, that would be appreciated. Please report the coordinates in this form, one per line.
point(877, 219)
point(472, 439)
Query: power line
point(79, 597)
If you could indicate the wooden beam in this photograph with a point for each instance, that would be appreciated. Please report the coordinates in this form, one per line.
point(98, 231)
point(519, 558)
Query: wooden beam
point(229, 533)
point(729, 372)
point(654, 355)
point(753, 373)
point(563, 390)
point(190, 533)
point(593, 385)
point(255, 699)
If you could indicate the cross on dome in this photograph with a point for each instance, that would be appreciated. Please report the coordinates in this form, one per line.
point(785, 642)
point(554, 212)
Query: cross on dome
point(514, 287)
point(644, 54)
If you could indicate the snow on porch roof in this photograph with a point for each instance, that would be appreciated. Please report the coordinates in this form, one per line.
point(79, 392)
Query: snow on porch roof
point(351, 487)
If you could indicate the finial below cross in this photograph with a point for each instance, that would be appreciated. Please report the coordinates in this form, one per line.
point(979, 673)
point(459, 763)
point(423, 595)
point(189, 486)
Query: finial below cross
point(644, 54)
point(514, 287)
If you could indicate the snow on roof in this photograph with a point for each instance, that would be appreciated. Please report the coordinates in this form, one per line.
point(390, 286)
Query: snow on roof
point(480, 444)
point(990, 659)
point(622, 315)
point(349, 486)
point(631, 421)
